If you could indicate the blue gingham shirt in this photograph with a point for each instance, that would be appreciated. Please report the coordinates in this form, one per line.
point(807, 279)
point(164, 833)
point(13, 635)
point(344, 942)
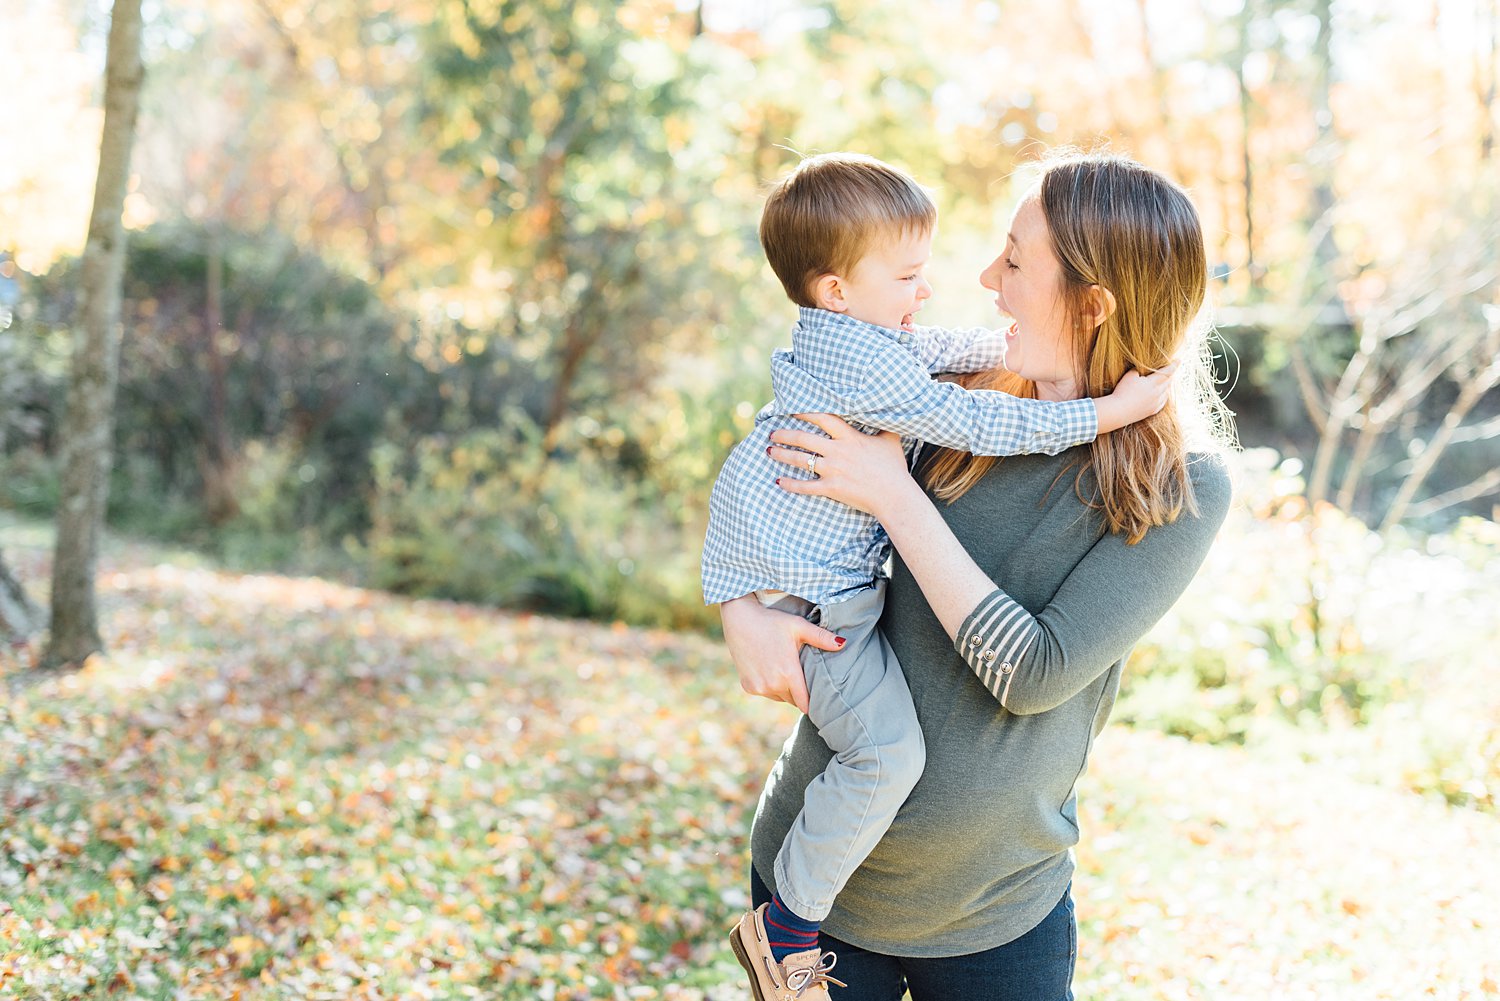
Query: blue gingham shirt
point(760, 536)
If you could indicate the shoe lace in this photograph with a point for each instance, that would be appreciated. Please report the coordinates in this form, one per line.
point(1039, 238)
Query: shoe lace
point(811, 976)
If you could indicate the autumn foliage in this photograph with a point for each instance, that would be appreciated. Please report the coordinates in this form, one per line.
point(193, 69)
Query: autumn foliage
point(287, 788)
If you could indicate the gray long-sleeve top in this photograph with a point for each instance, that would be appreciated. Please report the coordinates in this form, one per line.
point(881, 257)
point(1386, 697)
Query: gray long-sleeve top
point(980, 852)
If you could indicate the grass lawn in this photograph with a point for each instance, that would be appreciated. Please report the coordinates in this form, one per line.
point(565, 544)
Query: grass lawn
point(285, 788)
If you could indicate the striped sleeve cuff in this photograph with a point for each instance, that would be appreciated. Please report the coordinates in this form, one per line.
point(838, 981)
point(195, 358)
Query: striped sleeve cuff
point(994, 639)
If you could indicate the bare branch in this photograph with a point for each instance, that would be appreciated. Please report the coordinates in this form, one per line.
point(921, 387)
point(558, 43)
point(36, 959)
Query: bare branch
point(1369, 433)
point(1352, 394)
point(1482, 431)
point(18, 616)
point(1409, 317)
point(1441, 439)
point(1422, 373)
point(1309, 390)
point(288, 40)
point(1487, 484)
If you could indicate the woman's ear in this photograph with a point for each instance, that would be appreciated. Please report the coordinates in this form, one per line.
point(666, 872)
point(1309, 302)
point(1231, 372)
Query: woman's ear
point(1101, 305)
point(828, 293)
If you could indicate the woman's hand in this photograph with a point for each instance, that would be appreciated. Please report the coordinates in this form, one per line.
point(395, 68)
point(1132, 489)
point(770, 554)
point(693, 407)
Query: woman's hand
point(766, 646)
point(862, 470)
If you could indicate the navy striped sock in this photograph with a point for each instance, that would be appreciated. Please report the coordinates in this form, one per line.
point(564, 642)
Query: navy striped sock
point(787, 933)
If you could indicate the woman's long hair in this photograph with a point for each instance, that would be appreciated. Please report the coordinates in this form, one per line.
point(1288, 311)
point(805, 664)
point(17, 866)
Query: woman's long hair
point(1122, 226)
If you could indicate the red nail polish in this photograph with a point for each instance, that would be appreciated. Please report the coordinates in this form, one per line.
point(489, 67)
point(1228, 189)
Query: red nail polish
point(768, 449)
point(839, 640)
point(778, 481)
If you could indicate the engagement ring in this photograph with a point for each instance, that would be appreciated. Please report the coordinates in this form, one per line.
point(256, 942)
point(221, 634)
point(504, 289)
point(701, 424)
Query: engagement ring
point(812, 464)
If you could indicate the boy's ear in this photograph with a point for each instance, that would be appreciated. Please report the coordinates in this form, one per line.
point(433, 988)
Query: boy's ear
point(828, 293)
point(1101, 305)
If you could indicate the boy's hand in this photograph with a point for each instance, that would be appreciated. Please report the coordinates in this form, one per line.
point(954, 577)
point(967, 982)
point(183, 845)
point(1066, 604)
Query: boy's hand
point(1135, 398)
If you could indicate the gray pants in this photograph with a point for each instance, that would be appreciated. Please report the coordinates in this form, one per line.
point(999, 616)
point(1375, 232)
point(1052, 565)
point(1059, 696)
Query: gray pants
point(858, 700)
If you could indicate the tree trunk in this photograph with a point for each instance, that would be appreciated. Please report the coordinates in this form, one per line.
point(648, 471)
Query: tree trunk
point(88, 424)
point(1247, 168)
point(18, 618)
point(585, 330)
point(1487, 76)
point(578, 340)
point(1325, 152)
point(1161, 87)
point(217, 469)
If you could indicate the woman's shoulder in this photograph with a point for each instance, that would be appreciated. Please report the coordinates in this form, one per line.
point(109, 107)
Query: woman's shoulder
point(1213, 487)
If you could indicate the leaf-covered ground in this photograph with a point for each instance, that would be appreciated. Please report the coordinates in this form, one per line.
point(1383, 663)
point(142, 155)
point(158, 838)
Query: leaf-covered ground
point(288, 788)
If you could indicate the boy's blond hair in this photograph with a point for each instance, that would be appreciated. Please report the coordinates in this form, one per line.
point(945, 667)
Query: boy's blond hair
point(821, 218)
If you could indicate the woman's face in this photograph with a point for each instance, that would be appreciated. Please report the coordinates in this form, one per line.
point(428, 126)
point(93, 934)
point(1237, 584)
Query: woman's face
point(1027, 281)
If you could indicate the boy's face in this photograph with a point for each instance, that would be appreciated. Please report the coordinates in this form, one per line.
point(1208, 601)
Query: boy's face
point(887, 286)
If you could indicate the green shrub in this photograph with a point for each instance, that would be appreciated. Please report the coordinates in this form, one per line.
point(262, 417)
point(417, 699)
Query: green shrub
point(489, 516)
point(28, 482)
point(308, 358)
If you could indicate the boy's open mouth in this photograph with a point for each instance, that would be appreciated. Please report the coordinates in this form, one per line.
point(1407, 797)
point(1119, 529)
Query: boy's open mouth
point(907, 324)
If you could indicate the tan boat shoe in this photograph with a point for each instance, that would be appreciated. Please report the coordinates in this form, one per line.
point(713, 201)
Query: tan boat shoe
point(802, 976)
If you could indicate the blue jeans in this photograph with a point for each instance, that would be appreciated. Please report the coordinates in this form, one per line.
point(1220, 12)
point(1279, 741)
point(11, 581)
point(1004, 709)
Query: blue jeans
point(1038, 966)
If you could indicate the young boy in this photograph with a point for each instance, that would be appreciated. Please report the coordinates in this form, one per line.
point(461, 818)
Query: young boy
point(849, 236)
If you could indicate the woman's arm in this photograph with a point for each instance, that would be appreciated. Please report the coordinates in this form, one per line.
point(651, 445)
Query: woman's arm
point(951, 581)
point(869, 472)
point(1034, 662)
point(1029, 662)
point(765, 645)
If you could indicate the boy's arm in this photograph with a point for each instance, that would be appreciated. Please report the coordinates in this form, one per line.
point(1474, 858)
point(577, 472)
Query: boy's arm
point(1135, 398)
point(975, 349)
point(986, 422)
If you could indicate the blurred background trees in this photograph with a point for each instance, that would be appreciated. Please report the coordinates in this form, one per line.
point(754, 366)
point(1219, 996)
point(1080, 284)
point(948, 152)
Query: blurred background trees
point(464, 298)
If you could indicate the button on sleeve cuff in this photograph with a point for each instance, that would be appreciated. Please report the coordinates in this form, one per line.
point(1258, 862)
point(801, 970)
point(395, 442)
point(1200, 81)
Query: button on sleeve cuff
point(994, 639)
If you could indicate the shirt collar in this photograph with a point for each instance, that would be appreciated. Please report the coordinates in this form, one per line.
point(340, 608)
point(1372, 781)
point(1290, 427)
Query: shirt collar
point(817, 323)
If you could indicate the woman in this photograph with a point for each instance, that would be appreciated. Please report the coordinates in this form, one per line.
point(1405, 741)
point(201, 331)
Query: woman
point(1020, 586)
